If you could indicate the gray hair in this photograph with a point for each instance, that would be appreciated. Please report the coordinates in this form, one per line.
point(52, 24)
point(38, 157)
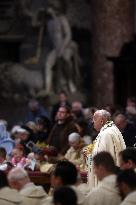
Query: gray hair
point(104, 113)
point(17, 174)
point(73, 137)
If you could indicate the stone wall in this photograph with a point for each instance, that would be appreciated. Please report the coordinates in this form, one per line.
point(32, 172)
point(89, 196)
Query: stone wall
point(109, 23)
point(113, 25)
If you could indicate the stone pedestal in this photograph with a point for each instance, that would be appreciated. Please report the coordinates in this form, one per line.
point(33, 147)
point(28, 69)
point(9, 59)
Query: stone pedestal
point(112, 26)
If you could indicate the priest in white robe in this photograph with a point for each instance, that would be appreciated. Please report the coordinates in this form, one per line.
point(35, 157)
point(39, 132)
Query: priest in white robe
point(109, 139)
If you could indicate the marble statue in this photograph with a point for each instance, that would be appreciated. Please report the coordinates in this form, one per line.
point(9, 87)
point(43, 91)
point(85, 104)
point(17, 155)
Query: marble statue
point(63, 49)
point(61, 67)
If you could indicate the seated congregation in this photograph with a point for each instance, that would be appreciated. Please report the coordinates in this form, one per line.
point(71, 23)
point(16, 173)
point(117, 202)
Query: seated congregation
point(84, 160)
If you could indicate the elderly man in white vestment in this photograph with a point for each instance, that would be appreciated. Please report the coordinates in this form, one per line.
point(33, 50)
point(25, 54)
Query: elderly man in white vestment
point(106, 193)
point(9, 196)
point(109, 139)
point(18, 179)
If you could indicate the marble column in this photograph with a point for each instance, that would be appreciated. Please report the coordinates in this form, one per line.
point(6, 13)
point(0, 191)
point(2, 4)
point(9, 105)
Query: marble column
point(112, 26)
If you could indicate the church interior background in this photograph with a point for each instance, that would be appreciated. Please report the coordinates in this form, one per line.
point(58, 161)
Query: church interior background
point(104, 35)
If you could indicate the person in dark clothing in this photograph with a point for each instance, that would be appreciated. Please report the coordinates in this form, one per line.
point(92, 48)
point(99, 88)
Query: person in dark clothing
point(77, 110)
point(127, 129)
point(126, 182)
point(32, 135)
point(25, 137)
point(63, 101)
point(43, 126)
point(3, 180)
point(60, 131)
point(69, 196)
point(34, 110)
point(128, 158)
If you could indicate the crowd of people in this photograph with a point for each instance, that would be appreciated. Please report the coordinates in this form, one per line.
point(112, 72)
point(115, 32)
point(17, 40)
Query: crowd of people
point(65, 141)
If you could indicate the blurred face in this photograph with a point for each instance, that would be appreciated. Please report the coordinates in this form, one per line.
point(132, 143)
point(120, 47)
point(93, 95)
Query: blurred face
point(98, 170)
point(131, 103)
point(120, 122)
point(2, 159)
point(17, 138)
point(76, 106)
point(75, 144)
point(126, 165)
point(39, 157)
point(62, 114)
point(23, 136)
point(39, 127)
point(62, 97)
point(17, 154)
point(56, 181)
point(98, 122)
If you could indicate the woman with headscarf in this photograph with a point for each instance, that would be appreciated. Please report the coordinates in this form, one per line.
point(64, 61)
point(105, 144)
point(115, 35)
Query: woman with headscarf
point(5, 139)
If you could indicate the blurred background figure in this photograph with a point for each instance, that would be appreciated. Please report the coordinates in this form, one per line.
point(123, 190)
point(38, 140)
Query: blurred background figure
point(43, 126)
point(131, 109)
point(128, 158)
point(127, 128)
point(18, 156)
point(32, 126)
point(110, 109)
point(5, 139)
point(64, 125)
point(24, 136)
point(84, 131)
point(66, 174)
point(74, 153)
point(34, 110)
point(77, 110)
point(88, 115)
point(126, 181)
point(18, 179)
point(69, 196)
point(62, 101)
point(8, 196)
point(106, 192)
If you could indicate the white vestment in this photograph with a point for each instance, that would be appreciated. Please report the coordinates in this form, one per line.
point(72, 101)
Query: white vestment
point(130, 199)
point(106, 193)
point(109, 139)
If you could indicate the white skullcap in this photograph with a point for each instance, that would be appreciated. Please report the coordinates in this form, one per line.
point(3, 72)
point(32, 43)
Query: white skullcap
point(14, 129)
point(22, 130)
point(18, 129)
point(73, 137)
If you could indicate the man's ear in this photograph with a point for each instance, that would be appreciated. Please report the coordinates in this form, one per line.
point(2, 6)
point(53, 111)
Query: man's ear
point(124, 188)
point(13, 184)
point(130, 164)
point(102, 168)
point(57, 181)
point(102, 122)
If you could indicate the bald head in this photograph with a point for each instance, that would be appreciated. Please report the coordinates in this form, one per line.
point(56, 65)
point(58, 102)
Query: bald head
point(121, 121)
point(100, 117)
point(17, 178)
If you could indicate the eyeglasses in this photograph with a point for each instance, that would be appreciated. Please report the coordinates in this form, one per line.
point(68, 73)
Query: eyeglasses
point(62, 111)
